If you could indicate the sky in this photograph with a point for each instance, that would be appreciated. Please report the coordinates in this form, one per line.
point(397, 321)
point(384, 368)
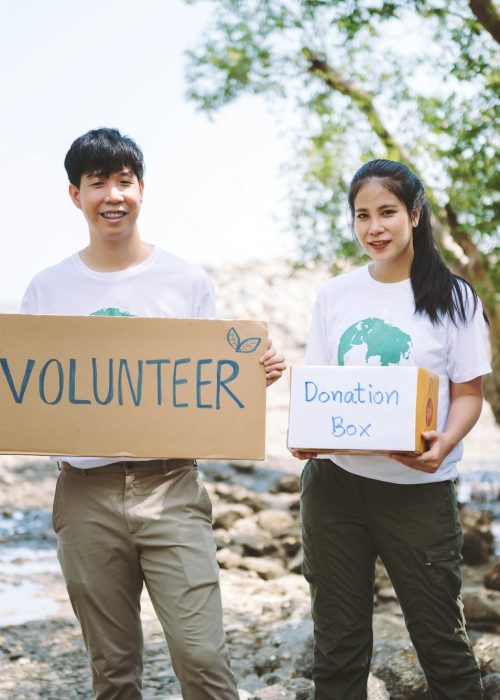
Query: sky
point(214, 190)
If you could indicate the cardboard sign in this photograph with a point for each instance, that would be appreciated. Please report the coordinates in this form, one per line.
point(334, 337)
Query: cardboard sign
point(132, 387)
point(361, 409)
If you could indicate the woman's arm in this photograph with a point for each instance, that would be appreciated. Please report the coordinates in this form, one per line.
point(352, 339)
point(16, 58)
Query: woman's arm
point(466, 400)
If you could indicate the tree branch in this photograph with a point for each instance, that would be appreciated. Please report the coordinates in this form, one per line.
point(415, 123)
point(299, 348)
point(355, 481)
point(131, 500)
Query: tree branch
point(445, 219)
point(362, 99)
point(487, 14)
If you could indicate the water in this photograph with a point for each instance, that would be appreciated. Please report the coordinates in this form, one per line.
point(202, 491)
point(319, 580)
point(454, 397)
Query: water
point(29, 566)
point(27, 556)
point(23, 601)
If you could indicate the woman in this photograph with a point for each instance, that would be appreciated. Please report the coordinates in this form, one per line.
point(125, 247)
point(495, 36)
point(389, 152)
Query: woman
point(401, 508)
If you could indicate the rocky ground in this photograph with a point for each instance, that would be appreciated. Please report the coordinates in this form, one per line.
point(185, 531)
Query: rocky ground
point(255, 510)
point(265, 597)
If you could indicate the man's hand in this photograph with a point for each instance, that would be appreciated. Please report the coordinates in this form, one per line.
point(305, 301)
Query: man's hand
point(274, 363)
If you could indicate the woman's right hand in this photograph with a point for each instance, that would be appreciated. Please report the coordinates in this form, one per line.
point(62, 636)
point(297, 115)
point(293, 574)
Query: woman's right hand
point(304, 454)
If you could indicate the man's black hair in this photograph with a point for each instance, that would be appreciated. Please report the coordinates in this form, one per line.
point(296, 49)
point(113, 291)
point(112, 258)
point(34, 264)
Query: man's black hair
point(103, 151)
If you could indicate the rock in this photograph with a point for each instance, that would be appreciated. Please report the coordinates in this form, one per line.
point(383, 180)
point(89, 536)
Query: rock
point(492, 578)
point(290, 483)
point(225, 515)
point(481, 606)
point(303, 689)
point(228, 559)
point(291, 545)
point(255, 544)
point(264, 568)
point(477, 547)
point(382, 579)
point(304, 659)
point(279, 522)
point(243, 467)
point(396, 663)
point(272, 692)
point(295, 505)
point(377, 690)
point(239, 494)
point(491, 685)
point(487, 653)
point(478, 538)
point(387, 594)
point(266, 660)
point(294, 565)
point(222, 538)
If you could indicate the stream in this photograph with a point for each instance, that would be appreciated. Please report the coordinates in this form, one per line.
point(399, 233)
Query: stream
point(30, 578)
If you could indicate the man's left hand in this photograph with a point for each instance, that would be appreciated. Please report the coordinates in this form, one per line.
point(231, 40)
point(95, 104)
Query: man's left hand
point(274, 363)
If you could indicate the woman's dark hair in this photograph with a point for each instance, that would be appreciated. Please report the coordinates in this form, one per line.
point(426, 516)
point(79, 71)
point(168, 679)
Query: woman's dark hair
point(103, 151)
point(437, 291)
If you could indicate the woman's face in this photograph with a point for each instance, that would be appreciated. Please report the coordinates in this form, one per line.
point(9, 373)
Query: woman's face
point(384, 230)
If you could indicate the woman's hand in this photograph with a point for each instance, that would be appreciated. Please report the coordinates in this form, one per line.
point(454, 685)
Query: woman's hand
point(304, 454)
point(430, 460)
point(274, 363)
point(466, 400)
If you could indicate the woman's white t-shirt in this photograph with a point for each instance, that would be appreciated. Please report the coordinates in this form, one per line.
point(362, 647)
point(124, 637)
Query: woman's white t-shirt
point(360, 321)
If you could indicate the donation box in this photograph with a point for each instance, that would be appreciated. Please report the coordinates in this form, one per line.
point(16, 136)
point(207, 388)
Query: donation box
point(361, 409)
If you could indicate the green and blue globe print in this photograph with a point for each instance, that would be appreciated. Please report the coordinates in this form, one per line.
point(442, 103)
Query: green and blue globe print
point(372, 341)
point(111, 311)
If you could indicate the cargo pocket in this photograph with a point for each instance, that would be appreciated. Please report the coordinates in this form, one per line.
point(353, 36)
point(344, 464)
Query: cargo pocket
point(442, 563)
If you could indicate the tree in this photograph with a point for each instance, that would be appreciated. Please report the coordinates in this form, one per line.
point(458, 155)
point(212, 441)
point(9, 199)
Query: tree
point(410, 80)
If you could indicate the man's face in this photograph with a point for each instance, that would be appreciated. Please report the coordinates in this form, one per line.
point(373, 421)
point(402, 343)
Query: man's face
point(111, 205)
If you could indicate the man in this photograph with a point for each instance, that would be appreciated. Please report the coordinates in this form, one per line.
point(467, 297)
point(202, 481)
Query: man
point(121, 524)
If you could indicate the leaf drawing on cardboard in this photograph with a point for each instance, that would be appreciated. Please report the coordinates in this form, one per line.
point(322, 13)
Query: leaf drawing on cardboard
point(246, 345)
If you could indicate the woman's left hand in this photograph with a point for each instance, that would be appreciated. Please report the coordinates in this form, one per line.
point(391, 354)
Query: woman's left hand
point(274, 363)
point(430, 460)
point(466, 399)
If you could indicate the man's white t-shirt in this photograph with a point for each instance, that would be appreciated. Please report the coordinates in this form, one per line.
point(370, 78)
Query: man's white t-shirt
point(360, 321)
point(162, 286)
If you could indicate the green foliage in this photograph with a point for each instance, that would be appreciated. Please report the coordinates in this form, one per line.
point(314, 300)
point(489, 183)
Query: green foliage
point(413, 80)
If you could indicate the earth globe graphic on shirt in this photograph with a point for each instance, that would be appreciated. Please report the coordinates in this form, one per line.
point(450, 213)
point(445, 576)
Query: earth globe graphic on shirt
point(111, 311)
point(372, 341)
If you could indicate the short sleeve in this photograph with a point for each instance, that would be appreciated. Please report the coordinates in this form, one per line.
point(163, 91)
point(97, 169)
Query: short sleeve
point(468, 345)
point(317, 352)
point(28, 304)
point(206, 306)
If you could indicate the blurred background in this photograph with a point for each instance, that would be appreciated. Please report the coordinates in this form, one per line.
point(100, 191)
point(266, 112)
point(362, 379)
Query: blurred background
point(253, 116)
point(213, 189)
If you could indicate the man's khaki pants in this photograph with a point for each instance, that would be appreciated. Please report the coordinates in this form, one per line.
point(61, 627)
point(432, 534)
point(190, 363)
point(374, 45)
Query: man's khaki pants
point(130, 523)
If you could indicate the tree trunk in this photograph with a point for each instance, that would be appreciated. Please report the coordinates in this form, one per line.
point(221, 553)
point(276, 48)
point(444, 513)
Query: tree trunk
point(487, 14)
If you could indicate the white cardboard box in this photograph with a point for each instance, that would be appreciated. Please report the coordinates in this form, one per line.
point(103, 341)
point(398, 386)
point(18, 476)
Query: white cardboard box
point(361, 409)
